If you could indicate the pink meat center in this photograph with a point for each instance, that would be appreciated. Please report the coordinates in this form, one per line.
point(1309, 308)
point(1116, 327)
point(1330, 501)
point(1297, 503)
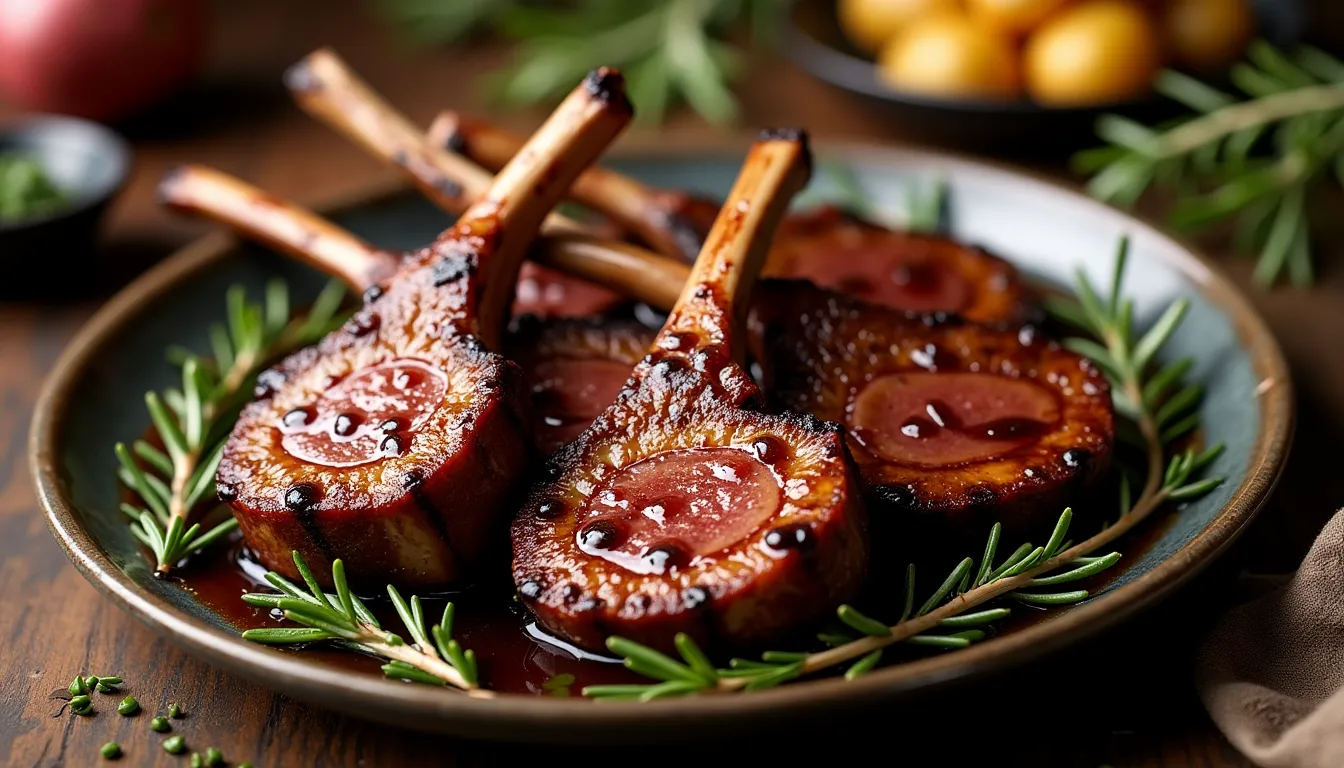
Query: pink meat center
point(568, 393)
point(896, 279)
point(941, 419)
point(665, 510)
point(368, 415)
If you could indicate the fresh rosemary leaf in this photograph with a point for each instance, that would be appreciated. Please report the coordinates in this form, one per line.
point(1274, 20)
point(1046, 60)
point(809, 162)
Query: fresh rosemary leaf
point(286, 635)
point(976, 619)
point(1054, 598)
point(864, 665)
point(941, 594)
point(1091, 568)
point(694, 657)
point(861, 623)
point(649, 662)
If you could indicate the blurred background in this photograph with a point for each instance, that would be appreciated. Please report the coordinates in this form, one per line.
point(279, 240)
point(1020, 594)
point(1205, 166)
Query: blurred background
point(195, 80)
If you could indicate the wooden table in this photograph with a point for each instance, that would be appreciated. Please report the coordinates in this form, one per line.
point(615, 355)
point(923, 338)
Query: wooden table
point(1124, 700)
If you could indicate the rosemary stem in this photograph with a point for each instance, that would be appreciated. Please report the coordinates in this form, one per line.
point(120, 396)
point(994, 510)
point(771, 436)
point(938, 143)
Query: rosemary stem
point(1249, 114)
point(376, 643)
point(1152, 498)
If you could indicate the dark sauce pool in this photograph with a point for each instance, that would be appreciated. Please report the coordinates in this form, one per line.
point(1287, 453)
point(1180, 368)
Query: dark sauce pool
point(514, 655)
point(517, 656)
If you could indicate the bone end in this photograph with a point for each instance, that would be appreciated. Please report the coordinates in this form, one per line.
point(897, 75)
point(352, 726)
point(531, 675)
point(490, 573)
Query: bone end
point(607, 85)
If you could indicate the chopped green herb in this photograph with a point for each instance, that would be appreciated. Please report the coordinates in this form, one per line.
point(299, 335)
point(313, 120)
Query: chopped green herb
point(78, 686)
point(128, 706)
point(174, 711)
point(174, 745)
point(214, 757)
point(197, 761)
point(244, 765)
point(111, 750)
point(25, 190)
point(91, 682)
point(160, 725)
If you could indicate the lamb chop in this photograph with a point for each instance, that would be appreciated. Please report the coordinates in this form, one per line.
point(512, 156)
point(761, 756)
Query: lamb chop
point(398, 442)
point(953, 426)
point(827, 246)
point(572, 367)
point(684, 508)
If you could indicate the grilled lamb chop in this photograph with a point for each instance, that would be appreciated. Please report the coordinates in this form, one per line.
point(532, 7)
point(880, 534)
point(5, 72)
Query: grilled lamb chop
point(683, 508)
point(398, 442)
point(953, 425)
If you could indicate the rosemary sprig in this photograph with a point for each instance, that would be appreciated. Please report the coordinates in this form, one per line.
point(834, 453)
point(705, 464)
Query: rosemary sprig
point(193, 421)
point(343, 617)
point(1255, 158)
point(669, 51)
point(951, 616)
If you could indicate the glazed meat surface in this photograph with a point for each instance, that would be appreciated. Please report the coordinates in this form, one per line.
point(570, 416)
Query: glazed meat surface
point(952, 425)
point(683, 508)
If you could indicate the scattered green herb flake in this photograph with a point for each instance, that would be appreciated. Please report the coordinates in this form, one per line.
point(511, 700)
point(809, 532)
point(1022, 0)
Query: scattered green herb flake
point(111, 750)
point(26, 192)
point(197, 761)
point(160, 725)
point(128, 706)
point(78, 687)
point(214, 757)
point(174, 745)
point(174, 711)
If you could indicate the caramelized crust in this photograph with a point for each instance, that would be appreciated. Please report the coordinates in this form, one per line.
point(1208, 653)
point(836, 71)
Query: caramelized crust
point(412, 512)
point(574, 368)
point(821, 350)
point(683, 508)
point(901, 270)
point(805, 558)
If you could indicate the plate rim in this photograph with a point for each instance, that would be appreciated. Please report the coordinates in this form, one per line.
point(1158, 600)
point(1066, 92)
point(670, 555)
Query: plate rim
point(553, 720)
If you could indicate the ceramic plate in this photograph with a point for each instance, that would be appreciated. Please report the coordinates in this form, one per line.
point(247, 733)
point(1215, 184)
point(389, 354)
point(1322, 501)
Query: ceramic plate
point(94, 398)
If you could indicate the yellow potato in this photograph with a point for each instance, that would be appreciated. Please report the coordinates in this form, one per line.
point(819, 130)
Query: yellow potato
point(1014, 17)
point(871, 24)
point(947, 54)
point(1094, 52)
point(1207, 35)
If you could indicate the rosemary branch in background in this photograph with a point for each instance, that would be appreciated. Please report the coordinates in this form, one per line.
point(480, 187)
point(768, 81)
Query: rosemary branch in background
point(669, 51)
point(192, 422)
point(1255, 158)
point(344, 617)
point(1160, 406)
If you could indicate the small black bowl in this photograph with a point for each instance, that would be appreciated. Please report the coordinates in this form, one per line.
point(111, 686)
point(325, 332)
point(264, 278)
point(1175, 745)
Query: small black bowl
point(86, 162)
point(811, 36)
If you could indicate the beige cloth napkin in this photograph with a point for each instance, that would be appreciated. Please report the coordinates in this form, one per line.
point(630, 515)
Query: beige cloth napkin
point(1272, 671)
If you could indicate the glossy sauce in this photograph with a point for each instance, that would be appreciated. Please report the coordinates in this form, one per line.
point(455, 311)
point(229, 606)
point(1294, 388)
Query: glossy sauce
point(663, 511)
point(942, 419)
point(369, 415)
point(515, 655)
